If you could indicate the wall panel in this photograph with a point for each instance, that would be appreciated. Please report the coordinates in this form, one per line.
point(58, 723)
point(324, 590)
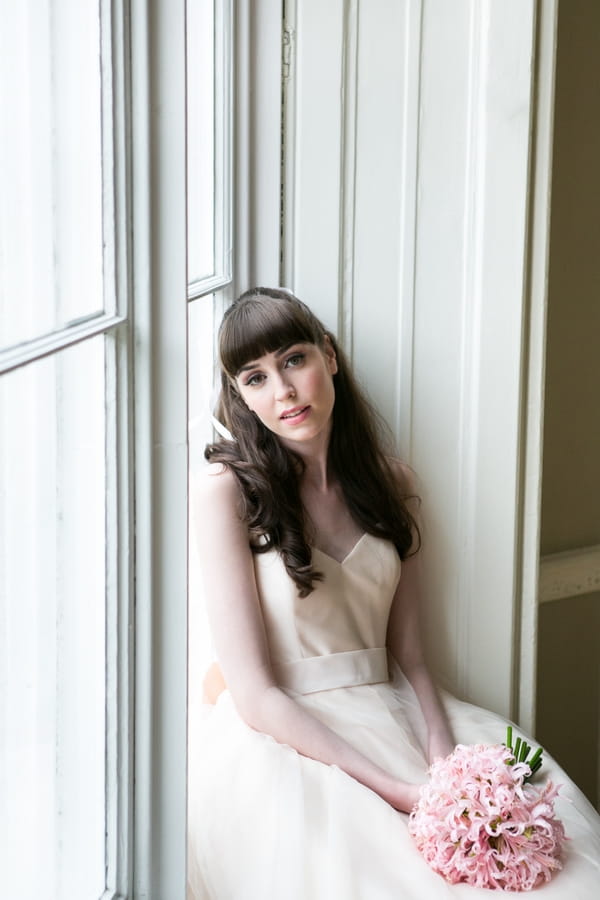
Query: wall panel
point(406, 228)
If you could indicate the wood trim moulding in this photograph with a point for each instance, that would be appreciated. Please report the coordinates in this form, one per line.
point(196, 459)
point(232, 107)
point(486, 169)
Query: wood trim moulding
point(348, 135)
point(532, 415)
point(411, 98)
point(569, 574)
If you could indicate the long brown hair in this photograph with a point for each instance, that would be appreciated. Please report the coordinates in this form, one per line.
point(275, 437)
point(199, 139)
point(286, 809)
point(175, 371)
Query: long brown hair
point(261, 321)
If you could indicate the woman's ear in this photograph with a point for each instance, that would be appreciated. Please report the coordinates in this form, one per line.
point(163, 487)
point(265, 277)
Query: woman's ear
point(330, 356)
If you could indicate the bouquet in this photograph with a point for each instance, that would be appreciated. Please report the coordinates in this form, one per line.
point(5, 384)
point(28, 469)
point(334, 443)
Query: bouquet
point(479, 821)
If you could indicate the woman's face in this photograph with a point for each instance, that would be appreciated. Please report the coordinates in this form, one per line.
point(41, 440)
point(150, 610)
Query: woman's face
point(291, 391)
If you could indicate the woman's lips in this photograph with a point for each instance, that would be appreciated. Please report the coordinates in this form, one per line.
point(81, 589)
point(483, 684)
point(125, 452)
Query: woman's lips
point(296, 415)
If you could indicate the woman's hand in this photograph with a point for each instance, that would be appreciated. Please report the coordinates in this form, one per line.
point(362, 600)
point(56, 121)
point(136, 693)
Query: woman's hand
point(402, 795)
point(440, 744)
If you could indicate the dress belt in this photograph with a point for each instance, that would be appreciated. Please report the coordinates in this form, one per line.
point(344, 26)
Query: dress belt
point(335, 670)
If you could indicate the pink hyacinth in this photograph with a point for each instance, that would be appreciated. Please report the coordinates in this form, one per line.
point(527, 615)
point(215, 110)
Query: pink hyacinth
point(477, 822)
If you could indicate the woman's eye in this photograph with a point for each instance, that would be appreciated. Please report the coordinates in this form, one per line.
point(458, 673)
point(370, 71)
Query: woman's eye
point(255, 380)
point(295, 360)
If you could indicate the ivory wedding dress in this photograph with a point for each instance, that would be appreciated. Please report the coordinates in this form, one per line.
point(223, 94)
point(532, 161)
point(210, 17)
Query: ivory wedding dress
point(266, 823)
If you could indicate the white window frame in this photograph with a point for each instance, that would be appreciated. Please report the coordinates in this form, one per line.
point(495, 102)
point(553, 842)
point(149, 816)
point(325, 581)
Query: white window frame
point(160, 372)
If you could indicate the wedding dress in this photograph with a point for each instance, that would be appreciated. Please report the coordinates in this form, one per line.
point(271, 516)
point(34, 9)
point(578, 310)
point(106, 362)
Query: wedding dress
point(266, 823)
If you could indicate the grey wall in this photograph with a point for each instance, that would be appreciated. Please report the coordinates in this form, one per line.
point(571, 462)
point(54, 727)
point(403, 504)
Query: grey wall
point(569, 629)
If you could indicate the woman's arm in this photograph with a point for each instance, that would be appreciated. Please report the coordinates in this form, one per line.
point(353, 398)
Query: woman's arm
point(240, 640)
point(405, 643)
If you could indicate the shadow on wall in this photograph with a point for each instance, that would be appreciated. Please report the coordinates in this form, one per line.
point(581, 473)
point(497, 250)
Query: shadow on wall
point(569, 687)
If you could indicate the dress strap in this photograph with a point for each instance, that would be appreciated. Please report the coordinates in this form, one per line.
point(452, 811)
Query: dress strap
point(335, 670)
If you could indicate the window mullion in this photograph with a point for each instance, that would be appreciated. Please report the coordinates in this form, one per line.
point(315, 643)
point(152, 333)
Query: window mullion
point(119, 613)
point(160, 304)
point(117, 73)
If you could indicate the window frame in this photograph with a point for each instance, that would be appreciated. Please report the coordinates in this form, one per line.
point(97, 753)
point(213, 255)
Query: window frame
point(154, 853)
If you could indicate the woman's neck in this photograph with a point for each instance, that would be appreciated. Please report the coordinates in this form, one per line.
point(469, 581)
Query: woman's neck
point(317, 475)
point(315, 456)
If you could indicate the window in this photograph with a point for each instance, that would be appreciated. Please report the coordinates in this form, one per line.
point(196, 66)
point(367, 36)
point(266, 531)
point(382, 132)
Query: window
point(64, 454)
point(209, 196)
point(96, 301)
point(53, 633)
point(52, 169)
point(209, 148)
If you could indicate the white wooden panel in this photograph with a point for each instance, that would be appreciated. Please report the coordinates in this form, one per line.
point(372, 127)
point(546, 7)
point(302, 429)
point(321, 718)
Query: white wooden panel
point(265, 108)
point(473, 168)
point(257, 135)
point(439, 352)
point(385, 195)
point(313, 202)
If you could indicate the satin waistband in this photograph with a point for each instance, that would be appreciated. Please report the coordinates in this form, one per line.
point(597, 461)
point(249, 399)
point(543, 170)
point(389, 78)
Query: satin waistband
point(335, 670)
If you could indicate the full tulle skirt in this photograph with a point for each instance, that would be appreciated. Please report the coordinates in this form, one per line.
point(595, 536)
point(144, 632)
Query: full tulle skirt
point(265, 823)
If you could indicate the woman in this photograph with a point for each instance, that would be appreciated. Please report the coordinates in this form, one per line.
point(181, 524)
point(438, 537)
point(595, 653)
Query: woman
point(301, 773)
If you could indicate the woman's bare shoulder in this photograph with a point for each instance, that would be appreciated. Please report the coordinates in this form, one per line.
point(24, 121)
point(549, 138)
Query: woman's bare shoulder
point(214, 486)
point(214, 477)
point(217, 512)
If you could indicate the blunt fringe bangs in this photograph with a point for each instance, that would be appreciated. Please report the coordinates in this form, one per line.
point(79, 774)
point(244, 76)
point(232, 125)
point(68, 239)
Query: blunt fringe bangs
point(261, 321)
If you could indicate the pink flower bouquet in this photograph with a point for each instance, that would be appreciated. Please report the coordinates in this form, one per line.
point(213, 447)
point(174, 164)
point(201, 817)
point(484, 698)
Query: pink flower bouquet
point(477, 820)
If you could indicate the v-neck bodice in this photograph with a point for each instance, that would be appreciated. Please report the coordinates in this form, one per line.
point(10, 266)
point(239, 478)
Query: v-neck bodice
point(348, 554)
point(346, 612)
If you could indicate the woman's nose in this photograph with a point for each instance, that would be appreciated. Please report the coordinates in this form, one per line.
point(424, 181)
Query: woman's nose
point(283, 388)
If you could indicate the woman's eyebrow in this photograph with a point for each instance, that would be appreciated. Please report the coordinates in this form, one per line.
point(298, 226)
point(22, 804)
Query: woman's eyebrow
point(278, 353)
point(246, 368)
point(286, 347)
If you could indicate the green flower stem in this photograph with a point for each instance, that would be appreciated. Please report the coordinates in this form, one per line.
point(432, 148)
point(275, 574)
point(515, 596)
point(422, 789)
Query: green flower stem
point(536, 759)
point(521, 751)
point(517, 749)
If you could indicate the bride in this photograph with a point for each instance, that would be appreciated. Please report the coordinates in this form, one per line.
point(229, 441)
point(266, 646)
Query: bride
point(302, 773)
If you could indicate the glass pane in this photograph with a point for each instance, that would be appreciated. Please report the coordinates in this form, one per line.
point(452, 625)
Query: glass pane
point(201, 138)
point(50, 166)
point(52, 626)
